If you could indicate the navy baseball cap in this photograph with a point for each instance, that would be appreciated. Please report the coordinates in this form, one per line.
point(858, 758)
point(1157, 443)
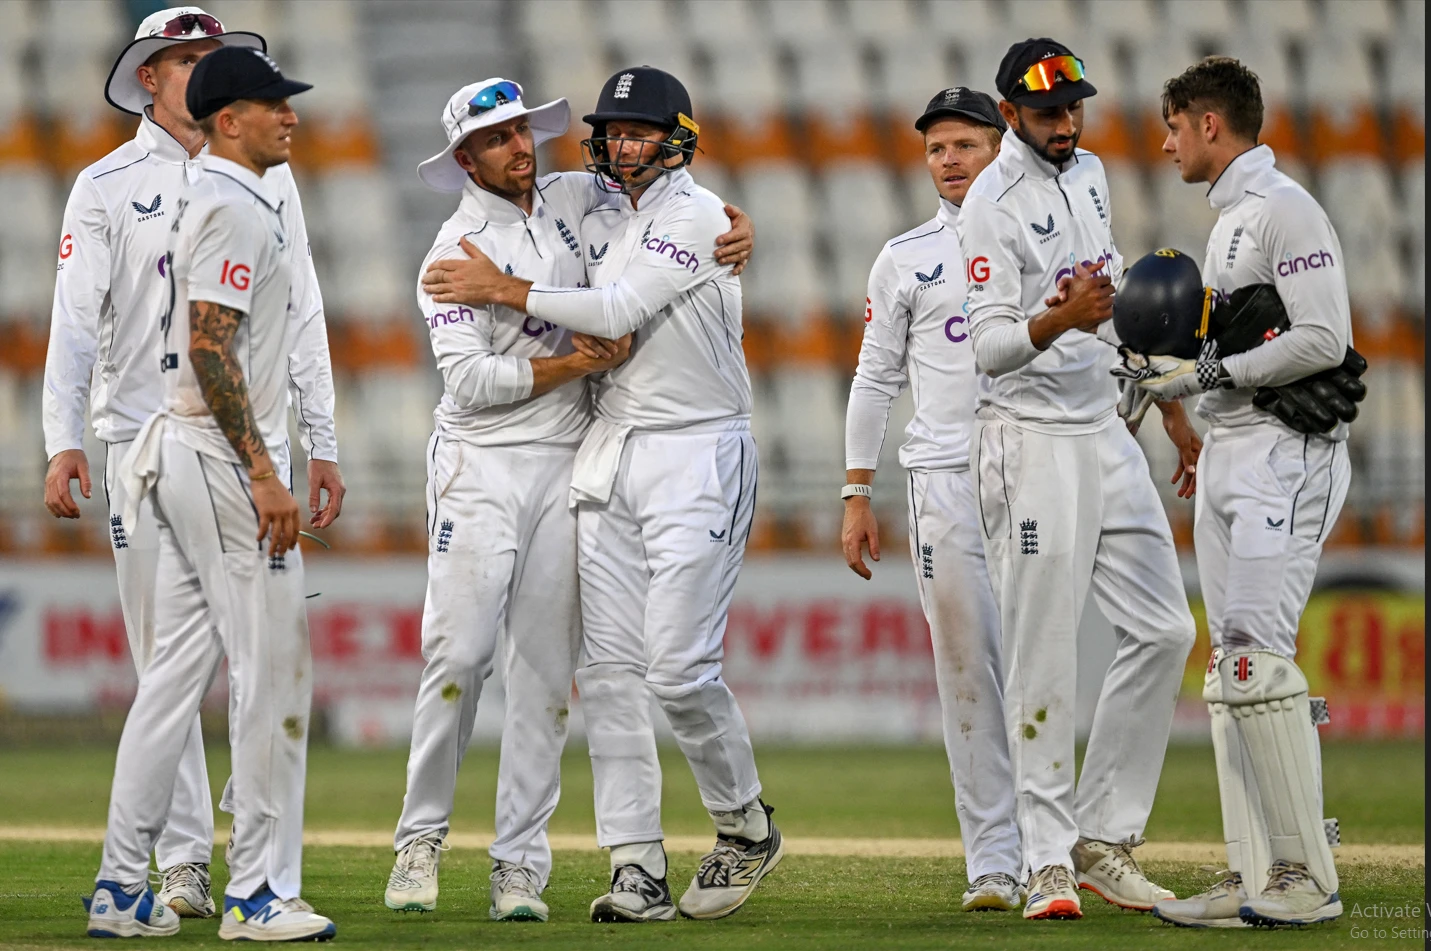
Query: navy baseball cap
point(1040, 73)
point(232, 73)
point(964, 103)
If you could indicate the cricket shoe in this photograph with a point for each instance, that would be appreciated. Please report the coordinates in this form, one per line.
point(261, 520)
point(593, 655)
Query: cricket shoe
point(114, 913)
point(1109, 870)
point(996, 891)
point(635, 895)
point(412, 886)
point(1217, 907)
point(1292, 897)
point(516, 894)
point(729, 873)
point(1052, 895)
point(266, 917)
point(185, 889)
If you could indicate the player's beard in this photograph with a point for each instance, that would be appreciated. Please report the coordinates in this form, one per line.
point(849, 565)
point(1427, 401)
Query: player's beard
point(511, 186)
point(1042, 150)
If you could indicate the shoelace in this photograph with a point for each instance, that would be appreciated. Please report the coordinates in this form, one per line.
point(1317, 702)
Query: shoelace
point(184, 875)
point(1123, 852)
point(1284, 875)
point(715, 867)
point(1055, 878)
point(630, 878)
point(1229, 881)
point(508, 877)
point(992, 878)
point(418, 857)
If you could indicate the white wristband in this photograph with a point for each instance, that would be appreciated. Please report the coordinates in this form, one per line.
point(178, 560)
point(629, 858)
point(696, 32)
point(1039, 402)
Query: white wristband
point(855, 488)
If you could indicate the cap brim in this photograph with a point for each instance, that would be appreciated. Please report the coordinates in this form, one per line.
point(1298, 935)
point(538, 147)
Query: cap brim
point(123, 91)
point(442, 173)
point(1060, 95)
point(952, 112)
point(279, 90)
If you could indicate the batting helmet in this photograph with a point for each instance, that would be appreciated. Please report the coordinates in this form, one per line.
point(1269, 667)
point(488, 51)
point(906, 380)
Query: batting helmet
point(643, 94)
point(1162, 306)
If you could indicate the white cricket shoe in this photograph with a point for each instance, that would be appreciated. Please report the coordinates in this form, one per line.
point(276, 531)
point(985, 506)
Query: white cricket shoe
point(516, 894)
point(1109, 870)
point(114, 913)
point(266, 917)
point(185, 889)
point(997, 891)
point(412, 886)
point(636, 895)
point(1292, 897)
point(1215, 908)
point(728, 874)
point(1052, 895)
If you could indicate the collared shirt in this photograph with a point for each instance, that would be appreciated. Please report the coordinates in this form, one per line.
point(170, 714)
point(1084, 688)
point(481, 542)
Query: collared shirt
point(485, 353)
point(653, 271)
point(1271, 231)
point(916, 334)
point(228, 247)
point(111, 291)
point(1029, 222)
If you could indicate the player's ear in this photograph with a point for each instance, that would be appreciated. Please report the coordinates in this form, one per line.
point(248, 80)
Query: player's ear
point(145, 75)
point(1010, 112)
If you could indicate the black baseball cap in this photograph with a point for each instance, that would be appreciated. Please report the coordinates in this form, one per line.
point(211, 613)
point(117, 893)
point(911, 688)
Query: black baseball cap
point(965, 103)
point(1016, 63)
point(232, 73)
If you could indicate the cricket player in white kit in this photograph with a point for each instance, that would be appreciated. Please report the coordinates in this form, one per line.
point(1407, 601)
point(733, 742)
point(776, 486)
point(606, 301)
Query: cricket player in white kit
point(1270, 496)
point(1065, 499)
point(227, 337)
point(111, 288)
point(917, 334)
point(665, 483)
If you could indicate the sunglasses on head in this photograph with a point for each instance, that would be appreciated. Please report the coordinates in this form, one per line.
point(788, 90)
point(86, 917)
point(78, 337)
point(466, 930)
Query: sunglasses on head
point(1041, 76)
point(490, 97)
point(186, 23)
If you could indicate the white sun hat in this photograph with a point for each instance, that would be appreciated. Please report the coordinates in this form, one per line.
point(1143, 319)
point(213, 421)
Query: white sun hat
point(165, 28)
point(476, 106)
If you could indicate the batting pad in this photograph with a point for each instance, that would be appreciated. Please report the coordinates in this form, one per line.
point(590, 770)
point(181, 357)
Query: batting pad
point(1244, 827)
point(1267, 695)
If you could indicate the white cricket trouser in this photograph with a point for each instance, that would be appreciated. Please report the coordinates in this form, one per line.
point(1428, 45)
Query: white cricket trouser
point(501, 557)
point(218, 595)
point(188, 832)
point(1058, 514)
point(658, 564)
point(1266, 501)
point(963, 619)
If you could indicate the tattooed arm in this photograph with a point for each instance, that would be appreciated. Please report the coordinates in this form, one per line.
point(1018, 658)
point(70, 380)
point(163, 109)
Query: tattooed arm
point(212, 328)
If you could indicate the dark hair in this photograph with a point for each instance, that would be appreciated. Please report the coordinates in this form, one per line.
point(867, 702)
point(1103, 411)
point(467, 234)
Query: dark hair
point(1222, 85)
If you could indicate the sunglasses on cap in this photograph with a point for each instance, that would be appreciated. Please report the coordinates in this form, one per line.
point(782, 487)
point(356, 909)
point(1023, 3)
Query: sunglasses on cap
point(1042, 75)
point(186, 23)
point(490, 97)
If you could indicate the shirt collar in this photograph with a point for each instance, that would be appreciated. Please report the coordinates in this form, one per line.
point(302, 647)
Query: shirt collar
point(1023, 158)
point(489, 206)
point(948, 212)
point(1241, 175)
point(660, 190)
point(254, 183)
point(156, 140)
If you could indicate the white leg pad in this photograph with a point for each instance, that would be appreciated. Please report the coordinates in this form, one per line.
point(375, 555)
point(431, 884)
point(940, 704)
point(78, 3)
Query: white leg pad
point(1267, 695)
point(1244, 827)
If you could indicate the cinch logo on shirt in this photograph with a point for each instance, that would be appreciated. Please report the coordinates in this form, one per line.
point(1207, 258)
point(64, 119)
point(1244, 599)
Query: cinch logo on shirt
point(663, 245)
point(1317, 259)
point(1104, 258)
point(535, 328)
point(236, 276)
point(457, 315)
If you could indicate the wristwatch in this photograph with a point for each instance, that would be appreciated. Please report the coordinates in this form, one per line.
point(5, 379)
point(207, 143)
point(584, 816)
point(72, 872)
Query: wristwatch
point(855, 488)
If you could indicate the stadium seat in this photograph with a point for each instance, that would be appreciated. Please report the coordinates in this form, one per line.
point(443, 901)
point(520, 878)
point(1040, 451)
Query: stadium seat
point(728, 21)
point(969, 21)
point(648, 22)
point(1282, 20)
point(1053, 18)
point(1413, 205)
point(888, 23)
point(1133, 21)
point(784, 279)
point(1406, 70)
point(1344, 121)
point(855, 239)
point(799, 21)
point(1357, 194)
point(566, 23)
point(1204, 20)
point(1185, 217)
point(363, 280)
point(28, 242)
point(1364, 19)
point(911, 74)
point(747, 92)
point(1133, 215)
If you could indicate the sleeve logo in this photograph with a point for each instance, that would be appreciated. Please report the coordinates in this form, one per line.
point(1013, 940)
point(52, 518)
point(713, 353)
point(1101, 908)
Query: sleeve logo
point(67, 246)
point(978, 270)
point(236, 276)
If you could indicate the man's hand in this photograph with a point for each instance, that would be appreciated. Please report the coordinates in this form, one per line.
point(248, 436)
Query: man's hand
point(323, 474)
point(602, 354)
point(1088, 298)
point(475, 281)
point(277, 514)
point(860, 529)
point(735, 245)
point(1172, 378)
point(1189, 445)
point(66, 465)
point(1133, 403)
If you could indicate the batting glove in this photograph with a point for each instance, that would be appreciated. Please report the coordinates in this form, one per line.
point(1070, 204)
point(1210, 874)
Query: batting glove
point(1172, 378)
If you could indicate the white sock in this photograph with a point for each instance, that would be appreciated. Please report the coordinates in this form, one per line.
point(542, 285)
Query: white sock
point(749, 823)
point(651, 856)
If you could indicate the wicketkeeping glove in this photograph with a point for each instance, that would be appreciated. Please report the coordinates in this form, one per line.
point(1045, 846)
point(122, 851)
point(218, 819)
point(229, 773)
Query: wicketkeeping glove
point(1316, 404)
point(1171, 378)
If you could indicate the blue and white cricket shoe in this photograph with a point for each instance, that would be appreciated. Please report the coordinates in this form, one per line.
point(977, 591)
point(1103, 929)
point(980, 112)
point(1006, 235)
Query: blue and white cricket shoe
point(266, 917)
point(115, 914)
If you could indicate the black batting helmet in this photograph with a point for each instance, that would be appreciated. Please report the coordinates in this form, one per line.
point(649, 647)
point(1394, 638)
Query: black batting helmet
point(1162, 306)
point(643, 94)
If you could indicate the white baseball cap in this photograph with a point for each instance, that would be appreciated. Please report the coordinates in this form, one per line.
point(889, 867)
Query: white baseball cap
point(165, 28)
point(476, 106)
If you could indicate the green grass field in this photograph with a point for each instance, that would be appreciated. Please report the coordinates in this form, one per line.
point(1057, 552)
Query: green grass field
point(1376, 790)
